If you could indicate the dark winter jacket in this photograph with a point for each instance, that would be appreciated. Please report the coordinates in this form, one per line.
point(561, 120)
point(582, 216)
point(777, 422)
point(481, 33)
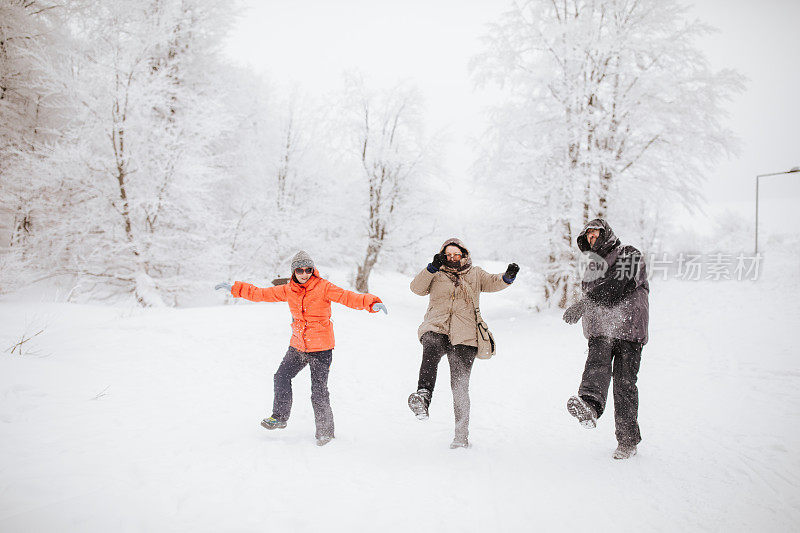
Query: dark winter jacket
point(615, 287)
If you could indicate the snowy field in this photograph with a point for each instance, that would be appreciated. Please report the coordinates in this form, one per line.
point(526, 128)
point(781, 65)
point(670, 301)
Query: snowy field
point(118, 419)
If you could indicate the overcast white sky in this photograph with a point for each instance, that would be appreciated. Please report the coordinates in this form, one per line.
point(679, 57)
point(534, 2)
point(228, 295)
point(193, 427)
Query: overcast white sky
point(311, 42)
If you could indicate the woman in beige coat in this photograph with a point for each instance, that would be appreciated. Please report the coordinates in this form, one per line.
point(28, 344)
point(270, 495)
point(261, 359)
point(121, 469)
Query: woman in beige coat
point(450, 327)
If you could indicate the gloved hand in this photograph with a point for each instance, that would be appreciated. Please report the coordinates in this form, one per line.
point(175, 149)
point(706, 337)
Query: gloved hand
point(511, 273)
point(438, 261)
point(574, 312)
point(379, 306)
point(223, 285)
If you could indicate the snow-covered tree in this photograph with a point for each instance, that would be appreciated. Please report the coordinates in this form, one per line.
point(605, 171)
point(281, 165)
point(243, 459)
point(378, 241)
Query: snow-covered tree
point(129, 179)
point(611, 112)
point(34, 106)
point(135, 162)
point(272, 203)
point(392, 151)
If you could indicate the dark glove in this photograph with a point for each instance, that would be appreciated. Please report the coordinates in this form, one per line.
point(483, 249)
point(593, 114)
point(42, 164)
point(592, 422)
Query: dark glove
point(511, 273)
point(574, 312)
point(436, 264)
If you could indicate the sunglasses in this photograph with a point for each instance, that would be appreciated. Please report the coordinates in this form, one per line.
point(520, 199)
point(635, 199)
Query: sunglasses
point(307, 270)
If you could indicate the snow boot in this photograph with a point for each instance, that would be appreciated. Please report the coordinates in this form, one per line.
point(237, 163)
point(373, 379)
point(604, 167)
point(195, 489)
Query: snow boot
point(418, 402)
point(273, 423)
point(323, 440)
point(459, 442)
point(624, 451)
point(584, 412)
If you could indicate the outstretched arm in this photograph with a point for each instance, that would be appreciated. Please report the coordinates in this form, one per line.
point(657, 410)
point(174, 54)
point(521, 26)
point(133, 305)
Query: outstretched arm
point(497, 282)
point(351, 299)
point(258, 294)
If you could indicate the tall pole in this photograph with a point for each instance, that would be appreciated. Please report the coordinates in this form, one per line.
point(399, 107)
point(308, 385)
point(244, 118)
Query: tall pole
point(792, 171)
point(757, 178)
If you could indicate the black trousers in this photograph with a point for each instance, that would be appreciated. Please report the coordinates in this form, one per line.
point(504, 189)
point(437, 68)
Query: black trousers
point(461, 358)
point(293, 362)
point(618, 359)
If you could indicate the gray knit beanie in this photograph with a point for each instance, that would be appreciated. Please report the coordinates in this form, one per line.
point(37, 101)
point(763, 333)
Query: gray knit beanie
point(302, 260)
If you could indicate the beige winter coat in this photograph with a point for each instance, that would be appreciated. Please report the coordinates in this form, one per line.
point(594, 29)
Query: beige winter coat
point(450, 309)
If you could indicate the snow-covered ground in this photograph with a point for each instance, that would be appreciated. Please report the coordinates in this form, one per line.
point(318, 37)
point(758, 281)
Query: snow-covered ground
point(118, 419)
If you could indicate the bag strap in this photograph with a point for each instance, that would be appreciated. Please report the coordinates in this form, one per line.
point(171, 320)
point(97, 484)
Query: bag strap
point(471, 293)
point(468, 288)
point(479, 323)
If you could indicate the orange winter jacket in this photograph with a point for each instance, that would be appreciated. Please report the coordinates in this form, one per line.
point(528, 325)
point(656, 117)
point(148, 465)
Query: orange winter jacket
point(310, 305)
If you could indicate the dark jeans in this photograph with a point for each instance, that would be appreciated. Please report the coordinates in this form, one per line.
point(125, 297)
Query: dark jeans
point(460, 357)
point(625, 356)
point(293, 362)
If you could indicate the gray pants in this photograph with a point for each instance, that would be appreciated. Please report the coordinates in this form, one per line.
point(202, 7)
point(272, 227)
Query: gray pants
point(461, 358)
point(618, 359)
point(293, 362)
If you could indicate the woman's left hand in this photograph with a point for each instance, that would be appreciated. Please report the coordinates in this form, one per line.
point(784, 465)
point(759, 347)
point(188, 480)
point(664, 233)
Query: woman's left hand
point(511, 272)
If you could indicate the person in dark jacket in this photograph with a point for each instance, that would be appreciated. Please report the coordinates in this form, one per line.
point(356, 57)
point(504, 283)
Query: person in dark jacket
point(615, 313)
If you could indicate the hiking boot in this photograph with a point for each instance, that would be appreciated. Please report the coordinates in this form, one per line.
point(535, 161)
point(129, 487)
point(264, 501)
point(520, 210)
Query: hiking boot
point(584, 412)
point(323, 440)
point(459, 442)
point(273, 423)
point(624, 451)
point(418, 403)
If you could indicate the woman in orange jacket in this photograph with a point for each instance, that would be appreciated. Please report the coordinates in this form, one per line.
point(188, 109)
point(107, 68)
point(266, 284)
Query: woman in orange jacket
point(309, 297)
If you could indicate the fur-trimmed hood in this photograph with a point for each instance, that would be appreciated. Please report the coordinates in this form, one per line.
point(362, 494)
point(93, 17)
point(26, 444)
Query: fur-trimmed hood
point(466, 258)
